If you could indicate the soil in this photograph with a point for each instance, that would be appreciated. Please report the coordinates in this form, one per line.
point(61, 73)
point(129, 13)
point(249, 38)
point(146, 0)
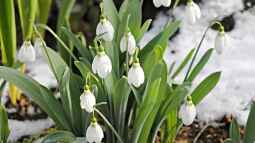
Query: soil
point(24, 110)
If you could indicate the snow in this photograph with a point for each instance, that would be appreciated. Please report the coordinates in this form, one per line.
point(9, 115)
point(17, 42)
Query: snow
point(23, 128)
point(233, 94)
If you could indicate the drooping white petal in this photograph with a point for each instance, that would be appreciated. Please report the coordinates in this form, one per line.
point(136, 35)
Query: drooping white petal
point(221, 41)
point(102, 65)
point(193, 12)
point(87, 101)
point(187, 113)
point(190, 13)
point(157, 3)
point(136, 75)
point(197, 11)
point(105, 30)
point(166, 3)
point(128, 43)
point(94, 133)
point(26, 53)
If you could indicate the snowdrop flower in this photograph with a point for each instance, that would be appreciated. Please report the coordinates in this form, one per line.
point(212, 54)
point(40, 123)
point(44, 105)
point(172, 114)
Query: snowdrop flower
point(193, 12)
point(105, 30)
point(128, 43)
point(27, 52)
point(136, 75)
point(165, 3)
point(101, 65)
point(94, 133)
point(88, 100)
point(187, 112)
point(221, 41)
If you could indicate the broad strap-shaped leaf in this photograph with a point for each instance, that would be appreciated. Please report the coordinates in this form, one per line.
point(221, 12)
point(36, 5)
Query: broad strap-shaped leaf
point(184, 63)
point(39, 94)
point(145, 108)
point(134, 9)
point(234, 132)
point(161, 39)
point(7, 32)
point(70, 88)
point(200, 65)
point(83, 50)
point(205, 87)
point(144, 29)
point(120, 98)
point(4, 128)
point(111, 12)
point(249, 135)
point(59, 136)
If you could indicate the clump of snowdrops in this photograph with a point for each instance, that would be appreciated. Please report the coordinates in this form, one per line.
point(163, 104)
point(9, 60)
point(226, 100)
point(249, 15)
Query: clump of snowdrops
point(114, 90)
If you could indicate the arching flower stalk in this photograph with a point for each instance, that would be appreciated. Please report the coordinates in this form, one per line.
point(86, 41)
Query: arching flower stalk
point(94, 133)
point(187, 112)
point(87, 100)
point(128, 43)
point(101, 64)
point(159, 3)
point(26, 53)
point(193, 12)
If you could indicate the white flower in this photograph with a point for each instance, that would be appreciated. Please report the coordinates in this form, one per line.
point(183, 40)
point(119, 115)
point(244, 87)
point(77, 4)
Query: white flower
point(105, 30)
point(165, 3)
point(38, 45)
point(136, 75)
point(187, 113)
point(128, 43)
point(26, 53)
point(221, 41)
point(193, 12)
point(102, 65)
point(94, 133)
point(88, 101)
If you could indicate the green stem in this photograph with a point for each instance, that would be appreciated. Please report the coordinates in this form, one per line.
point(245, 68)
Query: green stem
point(31, 18)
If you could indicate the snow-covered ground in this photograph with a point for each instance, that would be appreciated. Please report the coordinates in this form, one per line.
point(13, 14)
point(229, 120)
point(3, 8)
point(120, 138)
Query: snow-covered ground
point(236, 87)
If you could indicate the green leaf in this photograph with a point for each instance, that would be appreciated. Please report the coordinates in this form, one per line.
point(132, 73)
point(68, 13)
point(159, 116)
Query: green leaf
point(161, 39)
point(184, 63)
point(44, 7)
point(134, 9)
point(4, 128)
point(59, 136)
point(249, 134)
point(111, 12)
point(120, 95)
point(229, 141)
point(234, 132)
point(38, 93)
point(205, 87)
point(84, 51)
point(7, 32)
point(145, 108)
point(200, 65)
point(144, 29)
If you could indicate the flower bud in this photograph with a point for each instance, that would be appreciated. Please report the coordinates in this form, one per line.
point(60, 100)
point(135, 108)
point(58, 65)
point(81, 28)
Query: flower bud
point(187, 112)
point(128, 43)
point(105, 30)
point(102, 65)
point(94, 133)
point(87, 101)
point(136, 75)
point(193, 12)
point(165, 3)
point(26, 52)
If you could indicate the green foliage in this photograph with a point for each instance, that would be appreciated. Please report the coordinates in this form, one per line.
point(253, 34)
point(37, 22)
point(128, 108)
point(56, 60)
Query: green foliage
point(4, 129)
point(130, 115)
point(7, 32)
